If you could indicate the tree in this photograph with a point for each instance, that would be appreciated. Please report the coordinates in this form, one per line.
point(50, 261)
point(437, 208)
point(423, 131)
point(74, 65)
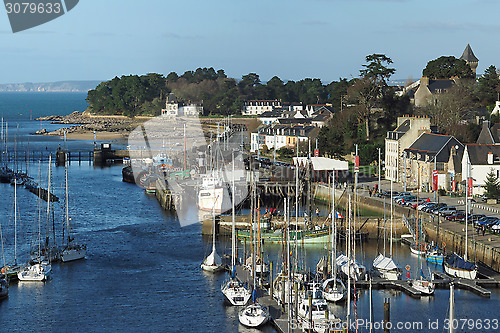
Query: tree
point(452, 107)
point(488, 88)
point(372, 85)
point(492, 185)
point(447, 67)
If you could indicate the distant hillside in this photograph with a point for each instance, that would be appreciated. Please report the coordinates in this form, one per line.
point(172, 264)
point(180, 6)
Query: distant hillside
point(61, 86)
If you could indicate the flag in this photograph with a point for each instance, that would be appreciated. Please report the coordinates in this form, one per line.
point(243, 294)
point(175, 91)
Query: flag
point(338, 215)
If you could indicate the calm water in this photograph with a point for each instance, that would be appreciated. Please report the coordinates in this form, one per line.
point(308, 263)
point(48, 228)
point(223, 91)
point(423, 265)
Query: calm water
point(142, 270)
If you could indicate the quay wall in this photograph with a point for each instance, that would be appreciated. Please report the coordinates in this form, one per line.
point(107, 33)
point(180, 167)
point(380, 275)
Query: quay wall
point(451, 233)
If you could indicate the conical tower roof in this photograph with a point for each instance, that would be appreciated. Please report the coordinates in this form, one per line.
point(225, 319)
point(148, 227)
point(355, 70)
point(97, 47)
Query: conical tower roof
point(468, 55)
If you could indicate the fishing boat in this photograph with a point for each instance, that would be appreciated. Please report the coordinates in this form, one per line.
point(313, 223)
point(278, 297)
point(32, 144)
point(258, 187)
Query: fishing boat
point(435, 256)
point(386, 268)
point(456, 266)
point(38, 272)
point(72, 250)
point(306, 237)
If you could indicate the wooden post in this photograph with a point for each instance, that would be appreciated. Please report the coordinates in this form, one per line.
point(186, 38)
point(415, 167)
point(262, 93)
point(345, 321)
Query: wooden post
point(310, 313)
point(271, 279)
point(387, 314)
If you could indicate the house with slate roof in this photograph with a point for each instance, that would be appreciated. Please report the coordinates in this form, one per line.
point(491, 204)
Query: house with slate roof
point(428, 89)
point(482, 158)
point(490, 133)
point(430, 151)
point(407, 131)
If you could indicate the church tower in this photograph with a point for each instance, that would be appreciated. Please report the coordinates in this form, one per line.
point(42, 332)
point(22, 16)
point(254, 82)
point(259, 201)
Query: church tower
point(470, 58)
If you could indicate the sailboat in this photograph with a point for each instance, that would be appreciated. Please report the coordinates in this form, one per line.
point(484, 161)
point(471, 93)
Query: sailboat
point(212, 263)
point(333, 289)
point(38, 269)
point(4, 280)
point(234, 291)
point(313, 311)
point(48, 252)
point(384, 266)
point(12, 269)
point(73, 250)
point(255, 314)
point(454, 264)
point(421, 284)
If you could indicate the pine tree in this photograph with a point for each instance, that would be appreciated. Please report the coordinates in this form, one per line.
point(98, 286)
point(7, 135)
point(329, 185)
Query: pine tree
point(492, 185)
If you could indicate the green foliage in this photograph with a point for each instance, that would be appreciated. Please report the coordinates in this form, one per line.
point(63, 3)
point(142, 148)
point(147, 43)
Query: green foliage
point(129, 95)
point(488, 88)
point(446, 67)
point(285, 152)
point(368, 152)
point(492, 185)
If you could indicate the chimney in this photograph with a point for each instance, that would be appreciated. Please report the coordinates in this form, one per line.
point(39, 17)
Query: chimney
point(486, 124)
point(424, 81)
point(490, 158)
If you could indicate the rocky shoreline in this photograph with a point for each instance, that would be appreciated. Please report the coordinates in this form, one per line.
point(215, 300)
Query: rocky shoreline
point(87, 124)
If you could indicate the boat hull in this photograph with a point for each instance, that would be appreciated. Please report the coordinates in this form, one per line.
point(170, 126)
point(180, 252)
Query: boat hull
point(320, 236)
point(73, 254)
point(434, 258)
point(254, 315)
point(424, 287)
point(460, 273)
point(236, 295)
point(212, 268)
point(35, 273)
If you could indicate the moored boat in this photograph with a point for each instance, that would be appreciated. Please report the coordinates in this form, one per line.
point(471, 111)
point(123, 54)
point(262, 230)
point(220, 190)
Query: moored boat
point(254, 315)
point(456, 266)
point(435, 256)
point(425, 287)
point(38, 272)
point(319, 236)
point(386, 268)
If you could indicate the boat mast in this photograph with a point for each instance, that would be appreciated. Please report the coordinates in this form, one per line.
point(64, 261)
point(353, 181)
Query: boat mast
point(334, 234)
point(349, 261)
point(466, 203)
point(452, 309)
point(233, 231)
point(67, 197)
point(48, 205)
point(15, 220)
point(392, 215)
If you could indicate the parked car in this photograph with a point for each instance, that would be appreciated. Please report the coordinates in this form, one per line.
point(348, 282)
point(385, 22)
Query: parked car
point(425, 204)
point(472, 218)
point(448, 210)
point(387, 194)
point(487, 221)
point(429, 207)
point(437, 207)
point(496, 227)
point(413, 204)
point(400, 195)
point(403, 200)
point(456, 216)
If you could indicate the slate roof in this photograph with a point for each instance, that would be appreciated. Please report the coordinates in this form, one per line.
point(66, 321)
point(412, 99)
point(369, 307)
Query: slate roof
point(441, 84)
point(489, 134)
point(478, 153)
point(271, 114)
point(468, 55)
point(432, 144)
point(404, 127)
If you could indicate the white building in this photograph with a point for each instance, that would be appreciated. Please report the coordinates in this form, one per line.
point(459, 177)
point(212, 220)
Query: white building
point(257, 107)
point(173, 108)
point(407, 131)
point(483, 159)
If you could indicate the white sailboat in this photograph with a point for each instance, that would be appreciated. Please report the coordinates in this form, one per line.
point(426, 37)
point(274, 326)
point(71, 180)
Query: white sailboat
point(313, 311)
point(35, 272)
point(384, 266)
point(454, 264)
point(13, 268)
point(424, 286)
point(212, 263)
point(234, 291)
point(73, 250)
point(333, 289)
point(255, 314)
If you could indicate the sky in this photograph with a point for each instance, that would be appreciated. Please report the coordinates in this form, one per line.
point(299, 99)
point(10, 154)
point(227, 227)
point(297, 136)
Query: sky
point(292, 39)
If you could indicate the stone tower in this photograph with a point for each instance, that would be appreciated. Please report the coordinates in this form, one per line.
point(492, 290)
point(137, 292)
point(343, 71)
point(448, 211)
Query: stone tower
point(470, 58)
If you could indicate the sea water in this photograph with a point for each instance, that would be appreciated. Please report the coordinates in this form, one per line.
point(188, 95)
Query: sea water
point(142, 271)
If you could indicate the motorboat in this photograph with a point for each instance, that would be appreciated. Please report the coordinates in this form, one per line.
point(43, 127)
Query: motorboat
point(35, 272)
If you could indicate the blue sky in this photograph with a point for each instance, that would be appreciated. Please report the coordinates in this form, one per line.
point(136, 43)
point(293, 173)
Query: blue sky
point(293, 39)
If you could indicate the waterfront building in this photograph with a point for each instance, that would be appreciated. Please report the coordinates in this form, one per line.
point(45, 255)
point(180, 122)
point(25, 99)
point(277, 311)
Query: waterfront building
point(431, 151)
point(482, 158)
point(407, 131)
point(174, 108)
point(257, 107)
point(277, 136)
